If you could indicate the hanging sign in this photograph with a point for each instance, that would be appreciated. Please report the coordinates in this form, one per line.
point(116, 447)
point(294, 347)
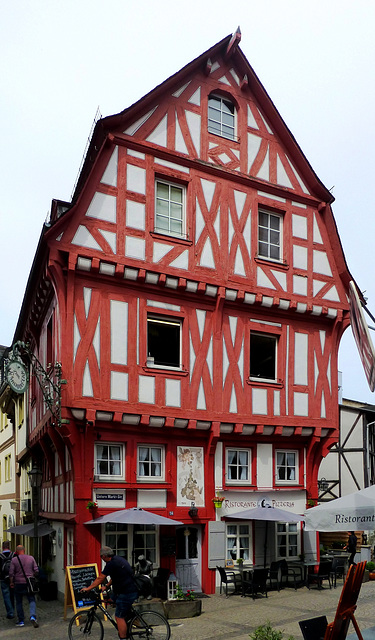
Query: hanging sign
point(362, 336)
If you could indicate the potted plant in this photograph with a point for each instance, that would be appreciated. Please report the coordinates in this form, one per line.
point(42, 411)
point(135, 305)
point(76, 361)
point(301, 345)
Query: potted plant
point(185, 605)
point(92, 506)
point(370, 567)
point(218, 501)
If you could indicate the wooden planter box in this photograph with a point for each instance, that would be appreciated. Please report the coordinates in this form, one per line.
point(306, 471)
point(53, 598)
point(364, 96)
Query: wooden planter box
point(183, 608)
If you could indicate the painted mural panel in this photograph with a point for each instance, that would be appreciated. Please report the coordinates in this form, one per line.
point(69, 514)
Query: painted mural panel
point(190, 476)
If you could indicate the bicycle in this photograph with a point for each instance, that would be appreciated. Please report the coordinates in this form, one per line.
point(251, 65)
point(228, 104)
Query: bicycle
point(148, 625)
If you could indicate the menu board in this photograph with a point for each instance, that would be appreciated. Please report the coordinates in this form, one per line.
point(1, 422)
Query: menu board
point(78, 577)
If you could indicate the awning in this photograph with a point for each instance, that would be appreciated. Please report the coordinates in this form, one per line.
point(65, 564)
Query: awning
point(28, 530)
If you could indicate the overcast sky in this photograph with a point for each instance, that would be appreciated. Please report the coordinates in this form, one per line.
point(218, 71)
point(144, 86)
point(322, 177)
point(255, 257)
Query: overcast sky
point(59, 61)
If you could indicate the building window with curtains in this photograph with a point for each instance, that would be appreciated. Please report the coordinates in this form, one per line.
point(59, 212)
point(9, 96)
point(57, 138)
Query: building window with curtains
point(150, 463)
point(238, 466)
point(238, 541)
point(144, 542)
point(286, 467)
point(287, 537)
point(116, 537)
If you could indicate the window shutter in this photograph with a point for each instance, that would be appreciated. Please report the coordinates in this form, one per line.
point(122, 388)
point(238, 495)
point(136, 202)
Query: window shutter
point(216, 544)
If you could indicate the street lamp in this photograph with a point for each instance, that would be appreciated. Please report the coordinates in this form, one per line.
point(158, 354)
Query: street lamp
point(35, 479)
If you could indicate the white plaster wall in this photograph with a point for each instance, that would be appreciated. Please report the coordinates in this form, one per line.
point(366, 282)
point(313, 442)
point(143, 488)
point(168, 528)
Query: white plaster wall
point(219, 465)
point(264, 457)
point(300, 358)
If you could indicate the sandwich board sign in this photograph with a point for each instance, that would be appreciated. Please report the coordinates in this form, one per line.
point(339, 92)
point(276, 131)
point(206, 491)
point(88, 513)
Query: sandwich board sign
point(76, 578)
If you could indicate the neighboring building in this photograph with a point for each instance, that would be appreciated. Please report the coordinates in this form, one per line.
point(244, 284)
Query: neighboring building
point(350, 464)
point(12, 452)
point(195, 293)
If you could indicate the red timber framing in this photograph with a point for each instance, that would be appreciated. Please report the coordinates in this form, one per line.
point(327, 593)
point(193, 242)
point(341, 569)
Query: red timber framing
point(198, 293)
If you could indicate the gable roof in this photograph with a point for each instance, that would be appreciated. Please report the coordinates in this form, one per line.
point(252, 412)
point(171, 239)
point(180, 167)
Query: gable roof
point(229, 49)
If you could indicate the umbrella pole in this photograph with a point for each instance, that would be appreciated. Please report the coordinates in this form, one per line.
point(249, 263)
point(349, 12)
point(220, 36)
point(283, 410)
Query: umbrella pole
point(265, 545)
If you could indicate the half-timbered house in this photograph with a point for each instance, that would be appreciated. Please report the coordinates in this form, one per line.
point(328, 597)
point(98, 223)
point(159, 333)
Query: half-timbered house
point(195, 292)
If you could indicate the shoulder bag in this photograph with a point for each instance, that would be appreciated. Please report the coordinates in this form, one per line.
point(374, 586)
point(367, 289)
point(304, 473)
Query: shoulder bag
point(31, 583)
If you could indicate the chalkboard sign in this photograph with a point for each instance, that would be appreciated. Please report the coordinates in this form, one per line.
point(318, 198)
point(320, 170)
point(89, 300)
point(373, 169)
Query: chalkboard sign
point(78, 577)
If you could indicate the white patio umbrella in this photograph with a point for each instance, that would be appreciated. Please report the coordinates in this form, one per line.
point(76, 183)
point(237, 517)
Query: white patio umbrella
point(267, 514)
point(355, 511)
point(134, 516)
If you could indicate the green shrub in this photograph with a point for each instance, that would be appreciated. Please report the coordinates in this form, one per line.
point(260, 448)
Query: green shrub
point(370, 566)
point(266, 632)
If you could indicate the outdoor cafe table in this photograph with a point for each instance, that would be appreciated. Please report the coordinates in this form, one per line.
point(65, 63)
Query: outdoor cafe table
point(303, 566)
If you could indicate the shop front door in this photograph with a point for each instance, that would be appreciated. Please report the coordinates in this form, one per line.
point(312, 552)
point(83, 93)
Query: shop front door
point(188, 558)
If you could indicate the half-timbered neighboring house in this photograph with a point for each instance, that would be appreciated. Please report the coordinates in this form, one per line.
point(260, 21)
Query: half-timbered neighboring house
point(195, 292)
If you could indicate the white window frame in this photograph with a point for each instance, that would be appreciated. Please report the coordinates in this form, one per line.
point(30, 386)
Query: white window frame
point(237, 450)
point(164, 320)
point(151, 478)
point(8, 468)
point(270, 336)
point(169, 232)
point(290, 529)
point(130, 532)
point(285, 452)
point(269, 241)
point(69, 547)
point(219, 122)
point(236, 552)
point(110, 476)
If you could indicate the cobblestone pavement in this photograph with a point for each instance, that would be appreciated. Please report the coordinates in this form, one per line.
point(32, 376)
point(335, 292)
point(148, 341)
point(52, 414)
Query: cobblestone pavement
point(232, 618)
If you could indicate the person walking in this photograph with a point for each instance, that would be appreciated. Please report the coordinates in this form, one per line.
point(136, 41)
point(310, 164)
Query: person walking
point(352, 546)
point(8, 593)
point(124, 589)
point(23, 566)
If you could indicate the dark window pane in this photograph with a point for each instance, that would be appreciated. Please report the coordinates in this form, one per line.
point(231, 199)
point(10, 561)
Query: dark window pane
point(163, 342)
point(262, 356)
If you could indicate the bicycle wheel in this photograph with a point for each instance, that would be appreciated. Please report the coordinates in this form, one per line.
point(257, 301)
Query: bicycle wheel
point(89, 626)
point(149, 625)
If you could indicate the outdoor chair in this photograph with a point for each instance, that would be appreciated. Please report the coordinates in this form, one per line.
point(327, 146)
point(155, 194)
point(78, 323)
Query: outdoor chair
point(274, 574)
point(229, 577)
point(314, 629)
point(339, 567)
point(160, 582)
point(289, 574)
point(256, 584)
point(324, 573)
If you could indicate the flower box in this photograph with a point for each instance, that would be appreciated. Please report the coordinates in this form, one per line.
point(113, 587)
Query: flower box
point(218, 502)
point(183, 608)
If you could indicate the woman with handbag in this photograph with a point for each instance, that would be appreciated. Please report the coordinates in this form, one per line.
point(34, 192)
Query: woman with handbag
point(22, 571)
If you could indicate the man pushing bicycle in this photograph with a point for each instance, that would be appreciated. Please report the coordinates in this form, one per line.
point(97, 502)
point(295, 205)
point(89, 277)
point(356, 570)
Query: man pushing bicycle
point(124, 589)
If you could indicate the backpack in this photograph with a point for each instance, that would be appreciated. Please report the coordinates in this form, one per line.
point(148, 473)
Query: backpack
point(5, 559)
point(143, 584)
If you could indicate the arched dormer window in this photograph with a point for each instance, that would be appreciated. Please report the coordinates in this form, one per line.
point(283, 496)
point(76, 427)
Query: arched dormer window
point(221, 117)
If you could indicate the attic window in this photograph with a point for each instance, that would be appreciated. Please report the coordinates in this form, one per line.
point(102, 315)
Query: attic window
point(221, 117)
